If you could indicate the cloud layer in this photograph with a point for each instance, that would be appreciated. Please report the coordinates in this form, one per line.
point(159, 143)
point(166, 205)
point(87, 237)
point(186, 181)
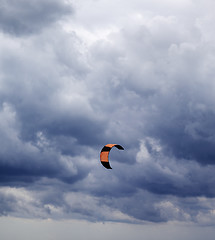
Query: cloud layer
point(69, 85)
point(22, 17)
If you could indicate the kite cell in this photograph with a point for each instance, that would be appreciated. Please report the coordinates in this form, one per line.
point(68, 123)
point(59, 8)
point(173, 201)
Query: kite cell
point(104, 155)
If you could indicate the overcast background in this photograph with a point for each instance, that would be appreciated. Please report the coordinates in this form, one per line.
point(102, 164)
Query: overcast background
point(76, 75)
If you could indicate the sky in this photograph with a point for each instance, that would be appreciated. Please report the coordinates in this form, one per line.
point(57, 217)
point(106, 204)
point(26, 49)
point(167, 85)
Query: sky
point(76, 75)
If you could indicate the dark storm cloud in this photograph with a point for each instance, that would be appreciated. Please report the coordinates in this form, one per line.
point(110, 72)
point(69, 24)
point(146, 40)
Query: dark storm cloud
point(33, 114)
point(23, 17)
point(62, 99)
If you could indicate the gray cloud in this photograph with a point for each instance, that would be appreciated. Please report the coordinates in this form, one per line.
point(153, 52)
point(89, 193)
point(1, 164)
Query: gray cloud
point(24, 17)
point(63, 96)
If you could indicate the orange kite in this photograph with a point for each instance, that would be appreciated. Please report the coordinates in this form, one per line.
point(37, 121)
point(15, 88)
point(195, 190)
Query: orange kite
point(105, 153)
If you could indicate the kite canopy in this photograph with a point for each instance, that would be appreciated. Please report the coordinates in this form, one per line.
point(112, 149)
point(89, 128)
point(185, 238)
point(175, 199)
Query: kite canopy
point(104, 155)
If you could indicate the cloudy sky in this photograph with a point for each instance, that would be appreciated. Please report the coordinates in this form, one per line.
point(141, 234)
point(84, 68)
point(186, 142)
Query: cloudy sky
point(76, 75)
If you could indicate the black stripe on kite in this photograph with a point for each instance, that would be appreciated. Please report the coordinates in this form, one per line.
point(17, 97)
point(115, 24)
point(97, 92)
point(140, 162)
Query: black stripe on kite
point(106, 165)
point(105, 149)
point(119, 147)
